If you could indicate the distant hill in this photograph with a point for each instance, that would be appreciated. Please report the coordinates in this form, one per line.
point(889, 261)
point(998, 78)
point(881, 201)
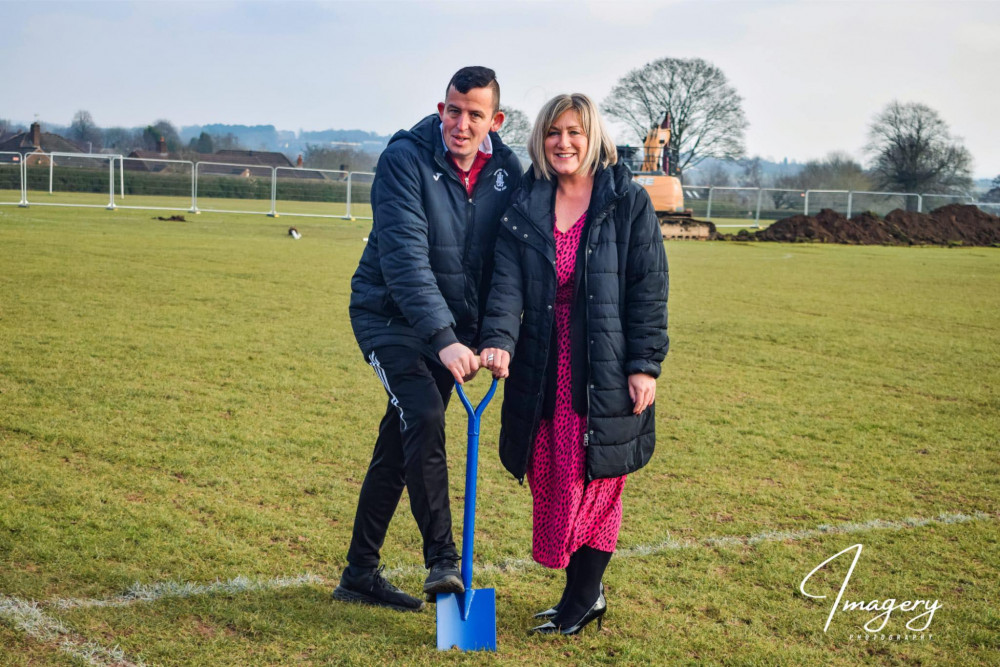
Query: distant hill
point(348, 136)
point(267, 137)
point(708, 170)
point(254, 137)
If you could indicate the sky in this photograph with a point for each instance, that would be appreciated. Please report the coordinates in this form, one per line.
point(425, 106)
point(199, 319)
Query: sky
point(812, 73)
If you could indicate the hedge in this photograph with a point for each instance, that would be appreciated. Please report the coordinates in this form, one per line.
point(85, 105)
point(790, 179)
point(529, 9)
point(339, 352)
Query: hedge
point(173, 184)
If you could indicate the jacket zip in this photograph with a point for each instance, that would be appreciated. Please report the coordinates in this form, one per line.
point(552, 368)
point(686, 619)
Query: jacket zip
point(598, 221)
point(470, 212)
point(586, 320)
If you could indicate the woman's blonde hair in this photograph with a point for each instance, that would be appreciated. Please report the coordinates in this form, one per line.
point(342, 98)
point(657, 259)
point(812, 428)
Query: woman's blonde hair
point(601, 150)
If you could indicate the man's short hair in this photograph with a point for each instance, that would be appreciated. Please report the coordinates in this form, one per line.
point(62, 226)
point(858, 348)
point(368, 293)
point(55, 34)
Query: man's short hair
point(475, 76)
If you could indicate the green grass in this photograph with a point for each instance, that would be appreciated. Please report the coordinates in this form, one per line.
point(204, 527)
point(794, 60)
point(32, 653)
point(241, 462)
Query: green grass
point(734, 225)
point(184, 402)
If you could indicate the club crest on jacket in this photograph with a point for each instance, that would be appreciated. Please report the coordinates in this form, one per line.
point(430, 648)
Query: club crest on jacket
point(501, 183)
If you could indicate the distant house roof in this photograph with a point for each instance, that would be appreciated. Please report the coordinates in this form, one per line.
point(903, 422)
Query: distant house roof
point(35, 140)
point(266, 158)
point(245, 160)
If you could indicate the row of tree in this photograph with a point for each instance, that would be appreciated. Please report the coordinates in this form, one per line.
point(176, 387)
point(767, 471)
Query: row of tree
point(91, 137)
point(910, 147)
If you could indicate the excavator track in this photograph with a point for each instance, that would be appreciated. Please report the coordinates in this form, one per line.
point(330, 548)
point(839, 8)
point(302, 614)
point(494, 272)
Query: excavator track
point(683, 226)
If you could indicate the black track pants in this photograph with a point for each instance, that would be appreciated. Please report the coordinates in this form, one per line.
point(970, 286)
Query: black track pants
point(409, 452)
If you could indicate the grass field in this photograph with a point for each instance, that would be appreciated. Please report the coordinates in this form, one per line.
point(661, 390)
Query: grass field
point(185, 422)
point(183, 203)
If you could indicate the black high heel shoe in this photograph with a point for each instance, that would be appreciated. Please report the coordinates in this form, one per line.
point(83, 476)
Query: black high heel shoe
point(594, 613)
point(552, 611)
point(548, 613)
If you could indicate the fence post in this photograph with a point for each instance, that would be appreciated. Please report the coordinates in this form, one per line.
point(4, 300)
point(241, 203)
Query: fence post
point(121, 175)
point(805, 211)
point(850, 197)
point(111, 184)
point(756, 218)
point(347, 214)
point(194, 188)
point(52, 166)
point(24, 182)
point(708, 212)
point(274, 192)
point(920, 204)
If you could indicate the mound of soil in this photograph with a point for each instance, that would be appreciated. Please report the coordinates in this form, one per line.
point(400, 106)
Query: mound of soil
point(954, 224)
point(977, 226)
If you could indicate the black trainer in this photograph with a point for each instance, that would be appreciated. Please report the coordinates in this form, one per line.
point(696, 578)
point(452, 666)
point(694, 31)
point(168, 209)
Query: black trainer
point(370, 587)
point(444, 577)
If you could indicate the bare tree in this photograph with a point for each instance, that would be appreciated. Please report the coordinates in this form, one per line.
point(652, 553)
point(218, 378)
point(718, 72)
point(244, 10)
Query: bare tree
point(227, 142)
point(753, 173)
point(913, 151)
point(837, 171)
point(516, 127)
point(344, 158)
point(717, 175)
point(85, 132)
point(993, 194)
point(706, 112)
point(122, 139)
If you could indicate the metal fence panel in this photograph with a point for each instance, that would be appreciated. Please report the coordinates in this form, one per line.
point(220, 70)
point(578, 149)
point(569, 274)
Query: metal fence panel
point(932, 202)
point(732, 206)
point(155, 184)
point(881, 203)
point(817, 200)
point(311, 192)
point(81, 179)
point(69, 179)
point(359, 195)
point(11, 178)
point(226, 187)
point(696, 199)
point(777, 203)
point(993, 208)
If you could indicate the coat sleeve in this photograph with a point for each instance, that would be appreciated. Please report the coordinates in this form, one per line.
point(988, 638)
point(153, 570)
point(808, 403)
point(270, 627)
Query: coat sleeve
point(502, 322)
point(404, 255)
point(646, 289)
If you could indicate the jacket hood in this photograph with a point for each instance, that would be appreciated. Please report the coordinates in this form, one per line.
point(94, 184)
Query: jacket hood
point(427, 135)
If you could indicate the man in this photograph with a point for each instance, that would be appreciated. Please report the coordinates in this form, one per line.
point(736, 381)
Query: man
point(417, 300)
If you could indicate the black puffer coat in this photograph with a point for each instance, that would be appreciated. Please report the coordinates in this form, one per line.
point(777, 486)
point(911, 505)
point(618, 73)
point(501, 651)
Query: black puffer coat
point(618, 322)
point(423, 276)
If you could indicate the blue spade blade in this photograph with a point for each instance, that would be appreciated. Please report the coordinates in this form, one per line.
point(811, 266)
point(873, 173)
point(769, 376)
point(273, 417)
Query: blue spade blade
point(467, 621)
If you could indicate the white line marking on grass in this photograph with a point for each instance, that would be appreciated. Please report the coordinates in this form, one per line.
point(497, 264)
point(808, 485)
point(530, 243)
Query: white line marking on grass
point(670, 544)
point(173, 589)
point(795, 535)
point(27, 617)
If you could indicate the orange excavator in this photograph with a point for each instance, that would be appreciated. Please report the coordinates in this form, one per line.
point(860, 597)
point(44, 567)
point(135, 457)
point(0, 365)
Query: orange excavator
point(658, 175)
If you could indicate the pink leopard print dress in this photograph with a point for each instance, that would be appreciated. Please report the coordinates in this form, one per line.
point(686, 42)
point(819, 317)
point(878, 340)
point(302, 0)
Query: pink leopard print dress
point(568, 514)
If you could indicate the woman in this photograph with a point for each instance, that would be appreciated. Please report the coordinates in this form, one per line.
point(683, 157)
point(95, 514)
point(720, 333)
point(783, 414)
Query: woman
point(577, 319)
